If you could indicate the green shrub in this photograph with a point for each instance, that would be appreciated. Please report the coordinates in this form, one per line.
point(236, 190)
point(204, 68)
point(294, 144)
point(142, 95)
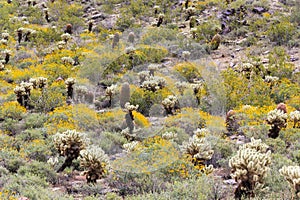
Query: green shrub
point(40, 169)
point(281, 33)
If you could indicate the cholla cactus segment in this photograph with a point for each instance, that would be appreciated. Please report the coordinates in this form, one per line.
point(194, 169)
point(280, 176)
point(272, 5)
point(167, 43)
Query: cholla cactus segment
point(52, 161)
point(3, 41)
point(198, 148)
point(70, 81)
point(129, 49)
point(130, 107)
point(271, 79)
point(68, 60)
point(19, 91)
point(208, 169)
point(144, 75)
point(70, 143)
point(41, 82)
point(2, 67)
point(169, 136)
point(200, 133)
point(257, 145)
point(249, 162)
point(111, 90)
point(154, 83)
point(277, 118)
point(170, 101)
point(95, 162)
point(27, 86)
point(295, 117)
point(292, 175)
point(5, 35)
point(81, 90)
point(129, 147)
point(250, 166)
point(186, 55)
point(65, 37)
point(61, 44)
point(153, 67)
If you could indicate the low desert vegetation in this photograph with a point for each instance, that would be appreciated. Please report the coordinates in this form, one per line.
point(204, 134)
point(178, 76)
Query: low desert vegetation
point(166, 99)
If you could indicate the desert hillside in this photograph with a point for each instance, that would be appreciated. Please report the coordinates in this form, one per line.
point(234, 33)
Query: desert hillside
point(149, 99)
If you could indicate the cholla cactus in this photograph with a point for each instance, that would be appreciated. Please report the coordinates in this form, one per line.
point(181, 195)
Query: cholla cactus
point(198, 148)
point(69, 144)
point(295, 117)
point(68, 60)
point(65, 37)
point(250, 167)
point(61, 45)
point(23, 92)
point(5, 35)
point(52, 161)
point(169, 136)
point(231, 123)
point(81, 91)
point(156, 9)
point(277, 119)
point(143, 76)
point(181, 86)
point(129, 50)
point(201, 132)
point(95, 162)
point(69, 87)
point(186, 55)
point(129, 116)
point(7, 54)
point(271, 79)
point(39, 82)
point(292, 175)
point(28, 33)
point(131, 146)
point(152, 68)
point(160, 19)
point(110, 91)
point(2, 67)
point(170, 104)
point(154, 83)
point(197, 87)
point(130, 107)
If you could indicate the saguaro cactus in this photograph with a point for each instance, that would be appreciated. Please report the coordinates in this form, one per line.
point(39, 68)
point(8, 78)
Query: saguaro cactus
point(124, 94)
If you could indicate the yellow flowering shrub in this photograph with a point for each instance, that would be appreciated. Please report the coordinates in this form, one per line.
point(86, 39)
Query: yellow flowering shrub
point(188, 70)
point(153, 154)
point(140, 119)
point(112, 119)
point(12, 109)
point(78, 117)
